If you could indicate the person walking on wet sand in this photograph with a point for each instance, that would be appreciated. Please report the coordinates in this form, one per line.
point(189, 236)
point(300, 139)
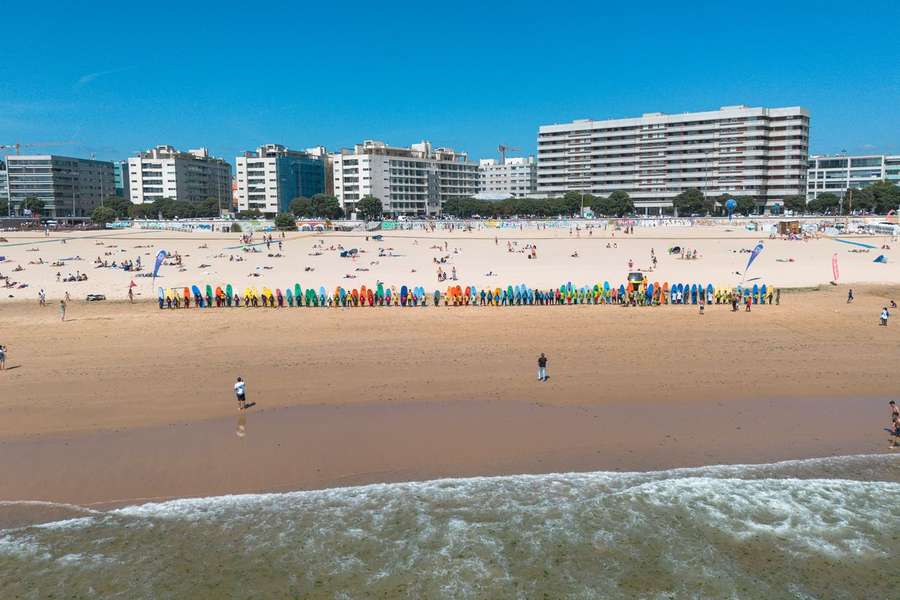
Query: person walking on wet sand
point(895, 429)
point(240, 392)
point(542, 367)
point(850, 296)
point(884, 316)
point(2, 357)
point(62, 310)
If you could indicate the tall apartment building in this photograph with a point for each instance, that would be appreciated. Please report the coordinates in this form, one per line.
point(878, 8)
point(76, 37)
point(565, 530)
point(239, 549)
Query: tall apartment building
point(838, 173)
point(510, 178)
point(3, 186)
point(736, 150)
point(268, 179)
point(415, 181)
point(164, 172)
point(120, 177)
point(69, 187)
point(328, 160)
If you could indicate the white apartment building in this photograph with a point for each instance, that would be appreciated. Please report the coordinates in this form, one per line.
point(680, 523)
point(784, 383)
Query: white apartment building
point(736, 150)
point(837, 173)
point(415, 181)
point(164, 172)
point(270, 178)
point(509, 178)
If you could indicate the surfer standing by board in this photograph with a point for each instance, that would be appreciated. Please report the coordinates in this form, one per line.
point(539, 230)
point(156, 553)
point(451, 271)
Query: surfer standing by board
point(542, 367)
point(240, 392)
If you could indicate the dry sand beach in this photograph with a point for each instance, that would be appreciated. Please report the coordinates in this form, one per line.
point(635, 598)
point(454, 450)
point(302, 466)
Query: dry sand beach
point(482, 257)
point(125, 403)
point(673, 388)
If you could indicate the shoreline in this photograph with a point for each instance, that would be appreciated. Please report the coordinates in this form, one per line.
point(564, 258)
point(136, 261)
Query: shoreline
point(323, 447)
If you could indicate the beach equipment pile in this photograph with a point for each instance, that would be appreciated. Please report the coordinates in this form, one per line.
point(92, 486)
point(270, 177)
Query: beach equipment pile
point(642, 293)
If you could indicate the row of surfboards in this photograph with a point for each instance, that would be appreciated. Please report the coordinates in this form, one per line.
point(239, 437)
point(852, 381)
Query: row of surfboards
point(680, 293)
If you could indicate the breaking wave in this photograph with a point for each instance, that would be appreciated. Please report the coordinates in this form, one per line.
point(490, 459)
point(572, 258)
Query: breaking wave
point(822, 528)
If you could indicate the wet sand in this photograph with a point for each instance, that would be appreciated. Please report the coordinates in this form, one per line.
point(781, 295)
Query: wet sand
point(125, 402)
point(323, 446)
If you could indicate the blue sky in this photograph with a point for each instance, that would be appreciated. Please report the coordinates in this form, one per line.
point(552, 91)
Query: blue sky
point(121, 77)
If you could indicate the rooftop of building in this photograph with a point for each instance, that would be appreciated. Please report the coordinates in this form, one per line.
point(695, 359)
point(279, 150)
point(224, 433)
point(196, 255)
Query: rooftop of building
point(27, 157)
point(278, 150)
point(846, 155)
point(423, 150)
point(510, 160)
point(734, 110)
point(164, 151)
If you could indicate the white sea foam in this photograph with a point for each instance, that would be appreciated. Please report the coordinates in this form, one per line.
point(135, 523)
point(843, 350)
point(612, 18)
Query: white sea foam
point(810, 527)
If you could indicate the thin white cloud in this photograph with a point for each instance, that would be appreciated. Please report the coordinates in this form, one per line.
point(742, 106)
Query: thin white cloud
point(91, 77)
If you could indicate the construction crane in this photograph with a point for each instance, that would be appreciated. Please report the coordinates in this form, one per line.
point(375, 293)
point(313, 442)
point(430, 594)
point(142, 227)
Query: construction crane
point(18, 145)
point(503, 149)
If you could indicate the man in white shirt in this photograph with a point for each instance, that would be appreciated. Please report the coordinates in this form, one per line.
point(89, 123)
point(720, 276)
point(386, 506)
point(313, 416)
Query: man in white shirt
point(240, 393)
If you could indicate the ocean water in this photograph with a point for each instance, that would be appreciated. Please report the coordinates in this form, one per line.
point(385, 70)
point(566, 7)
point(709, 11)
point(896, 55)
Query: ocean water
point(823, 528)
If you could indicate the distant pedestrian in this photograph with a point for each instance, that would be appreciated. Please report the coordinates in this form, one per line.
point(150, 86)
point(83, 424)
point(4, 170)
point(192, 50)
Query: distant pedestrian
point(2, 357)
point(62, 310)
point(777, 296)
point(131, 295)
point(850, 296)
point(240, 392)
point(542, 367)
point(42, 298)
point(884, 316)
point(748, 302)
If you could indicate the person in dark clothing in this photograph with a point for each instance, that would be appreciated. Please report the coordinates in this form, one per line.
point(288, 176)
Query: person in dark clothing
point(542, 367)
